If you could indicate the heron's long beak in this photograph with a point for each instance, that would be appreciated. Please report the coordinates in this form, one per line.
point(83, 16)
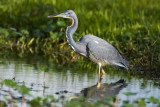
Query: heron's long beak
point(58, 15)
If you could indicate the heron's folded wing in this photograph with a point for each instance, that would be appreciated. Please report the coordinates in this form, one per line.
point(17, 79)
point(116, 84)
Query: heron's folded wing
point(104, 51)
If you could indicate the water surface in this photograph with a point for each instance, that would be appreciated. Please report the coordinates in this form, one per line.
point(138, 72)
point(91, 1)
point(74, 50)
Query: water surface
point(69, 82)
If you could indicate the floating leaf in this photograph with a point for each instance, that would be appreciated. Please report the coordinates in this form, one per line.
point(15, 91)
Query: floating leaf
point(10, 83)
point(129, 93)
point(154, 100)
point(23, 89)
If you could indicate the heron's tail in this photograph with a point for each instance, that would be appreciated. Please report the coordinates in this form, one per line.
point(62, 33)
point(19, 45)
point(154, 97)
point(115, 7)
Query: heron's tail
point(122, 63)
point(125, 63)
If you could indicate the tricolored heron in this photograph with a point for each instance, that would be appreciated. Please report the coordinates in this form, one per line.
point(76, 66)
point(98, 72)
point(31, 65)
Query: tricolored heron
point(92, 47)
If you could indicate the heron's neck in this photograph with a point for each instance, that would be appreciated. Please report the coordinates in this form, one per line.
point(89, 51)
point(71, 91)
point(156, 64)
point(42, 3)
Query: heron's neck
point(72, 28)
point(70, 31)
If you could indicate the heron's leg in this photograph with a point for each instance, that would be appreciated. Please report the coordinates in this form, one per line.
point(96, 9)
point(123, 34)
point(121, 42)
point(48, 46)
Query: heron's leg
point(99, 71)
point(103, 73)
point(99, 79)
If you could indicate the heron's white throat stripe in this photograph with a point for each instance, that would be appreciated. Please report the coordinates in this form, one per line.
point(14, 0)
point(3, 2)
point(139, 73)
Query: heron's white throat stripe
point(68, 38)
point(82, 54)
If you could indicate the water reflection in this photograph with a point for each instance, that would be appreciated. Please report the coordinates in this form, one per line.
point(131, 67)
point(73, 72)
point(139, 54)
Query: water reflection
point(105, 90)
point(102, 91)
point(68, 82)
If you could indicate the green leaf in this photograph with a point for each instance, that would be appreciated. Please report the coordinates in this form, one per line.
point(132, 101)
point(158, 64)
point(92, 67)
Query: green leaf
point(10, 83)
point(129, 93)
point(23, 89)
point(4, 32)
point(61, 23)
point(53, 35)
point(24, 32)
point(154, 100)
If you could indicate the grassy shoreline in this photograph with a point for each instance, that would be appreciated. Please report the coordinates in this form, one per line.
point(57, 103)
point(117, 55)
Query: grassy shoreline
point(133, 27)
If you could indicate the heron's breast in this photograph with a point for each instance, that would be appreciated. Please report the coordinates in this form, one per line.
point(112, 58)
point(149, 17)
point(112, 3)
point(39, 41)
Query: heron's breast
point(96, 60)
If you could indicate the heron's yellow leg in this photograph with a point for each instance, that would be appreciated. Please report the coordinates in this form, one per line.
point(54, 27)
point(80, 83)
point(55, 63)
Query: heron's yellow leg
point(103, 73)
point(99, 71)
point(99, 78)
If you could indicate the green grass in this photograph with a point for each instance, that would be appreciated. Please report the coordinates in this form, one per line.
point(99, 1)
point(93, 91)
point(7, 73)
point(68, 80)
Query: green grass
point(132, 26)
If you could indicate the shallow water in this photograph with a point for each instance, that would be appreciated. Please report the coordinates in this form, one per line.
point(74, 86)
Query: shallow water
point(67, 82)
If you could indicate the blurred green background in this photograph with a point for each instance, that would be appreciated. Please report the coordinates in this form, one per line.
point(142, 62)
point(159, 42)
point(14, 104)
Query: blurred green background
point(132, 26)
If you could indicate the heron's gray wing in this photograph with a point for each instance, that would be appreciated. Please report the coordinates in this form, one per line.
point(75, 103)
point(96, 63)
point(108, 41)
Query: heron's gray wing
point(105, 52)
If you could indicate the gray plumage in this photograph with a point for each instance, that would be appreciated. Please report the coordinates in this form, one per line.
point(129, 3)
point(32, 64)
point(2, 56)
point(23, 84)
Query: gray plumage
point(100, 51)
point(92, 47)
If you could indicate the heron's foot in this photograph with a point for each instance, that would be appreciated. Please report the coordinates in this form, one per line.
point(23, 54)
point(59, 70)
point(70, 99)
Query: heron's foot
point(100, 79)
point(102, 76)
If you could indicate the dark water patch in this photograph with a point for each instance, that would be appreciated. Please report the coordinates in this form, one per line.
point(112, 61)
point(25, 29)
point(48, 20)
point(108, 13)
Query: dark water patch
point(62, 92)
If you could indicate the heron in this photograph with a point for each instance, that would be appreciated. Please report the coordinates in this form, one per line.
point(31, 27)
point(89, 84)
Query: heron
point(96, 49)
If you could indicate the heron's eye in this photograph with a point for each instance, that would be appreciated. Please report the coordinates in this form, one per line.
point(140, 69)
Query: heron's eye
point(69, 12)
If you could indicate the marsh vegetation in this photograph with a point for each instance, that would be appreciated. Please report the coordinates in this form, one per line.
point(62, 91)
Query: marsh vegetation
point(132, 26)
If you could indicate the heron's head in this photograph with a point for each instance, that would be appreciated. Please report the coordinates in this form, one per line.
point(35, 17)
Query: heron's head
point(67, 14)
